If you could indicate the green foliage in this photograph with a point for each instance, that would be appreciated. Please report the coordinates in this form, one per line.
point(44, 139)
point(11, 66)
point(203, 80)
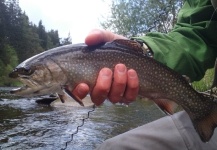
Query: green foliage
point(54, 38)
point(8, 61)
point(205, 83)
point(8, 55)
point(135, 18)
point(2, 68)
point(67, 40)
point(20, 38)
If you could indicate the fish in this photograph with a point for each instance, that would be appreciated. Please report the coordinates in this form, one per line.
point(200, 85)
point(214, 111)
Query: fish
point(61, 69)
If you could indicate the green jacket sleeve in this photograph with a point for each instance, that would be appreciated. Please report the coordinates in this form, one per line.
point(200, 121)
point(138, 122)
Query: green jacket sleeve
point(191, 47)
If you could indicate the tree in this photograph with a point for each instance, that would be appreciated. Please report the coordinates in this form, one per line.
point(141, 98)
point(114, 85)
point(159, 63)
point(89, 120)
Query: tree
point(54, 37)
point(29, 42)
point(8, 60)
point(135, 18)
point(48, 39)
point(20, 38)
point(12, 22)
point(67, 40)
point(8, 55)
point(42, 35)
point(3, 11)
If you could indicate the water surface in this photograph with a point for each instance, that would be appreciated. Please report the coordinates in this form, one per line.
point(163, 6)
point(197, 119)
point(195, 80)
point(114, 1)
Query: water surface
point(25, 124)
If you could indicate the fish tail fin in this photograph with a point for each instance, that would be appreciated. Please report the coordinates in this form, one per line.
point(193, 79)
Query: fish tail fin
point(205, 126)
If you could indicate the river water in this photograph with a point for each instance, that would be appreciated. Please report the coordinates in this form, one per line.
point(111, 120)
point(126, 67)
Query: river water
point(24, 124)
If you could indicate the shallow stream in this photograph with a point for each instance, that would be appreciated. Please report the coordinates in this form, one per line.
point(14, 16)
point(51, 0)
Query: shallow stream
point(24, 124)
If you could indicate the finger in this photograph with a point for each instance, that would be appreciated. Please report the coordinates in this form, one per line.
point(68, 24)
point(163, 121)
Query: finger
point(102, 87)
point(98, 36)
point(81, 90)
point(118, 84)
point(132, 86)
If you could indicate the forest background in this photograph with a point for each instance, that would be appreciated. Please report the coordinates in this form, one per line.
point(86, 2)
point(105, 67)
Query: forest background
point(20, 38)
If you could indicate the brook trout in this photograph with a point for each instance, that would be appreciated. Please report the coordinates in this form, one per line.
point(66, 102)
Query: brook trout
point(60, 69)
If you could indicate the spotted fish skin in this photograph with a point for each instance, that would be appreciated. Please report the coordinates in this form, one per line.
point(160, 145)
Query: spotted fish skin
point(65, 67)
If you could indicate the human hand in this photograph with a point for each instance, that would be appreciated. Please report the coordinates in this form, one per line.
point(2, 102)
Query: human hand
point(98, 36)
point(121, 86)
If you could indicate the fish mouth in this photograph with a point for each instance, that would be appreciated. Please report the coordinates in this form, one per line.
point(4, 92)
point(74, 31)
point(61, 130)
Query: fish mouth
point(20, 89)
point(27, 91)
point(29, 88)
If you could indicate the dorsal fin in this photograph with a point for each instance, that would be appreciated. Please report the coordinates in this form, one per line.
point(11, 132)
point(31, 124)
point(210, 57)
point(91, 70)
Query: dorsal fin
point(130, 44)
point(187, 79)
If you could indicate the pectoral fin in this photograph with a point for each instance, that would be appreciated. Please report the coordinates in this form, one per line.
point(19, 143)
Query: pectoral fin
point(76, 98)
point(62, 97)
point(166, 106)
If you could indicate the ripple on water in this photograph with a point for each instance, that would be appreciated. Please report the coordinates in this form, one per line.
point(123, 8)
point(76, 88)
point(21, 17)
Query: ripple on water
point(26, 125)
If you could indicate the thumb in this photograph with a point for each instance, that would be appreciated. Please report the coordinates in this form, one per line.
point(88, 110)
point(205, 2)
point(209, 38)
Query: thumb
point(98, 36)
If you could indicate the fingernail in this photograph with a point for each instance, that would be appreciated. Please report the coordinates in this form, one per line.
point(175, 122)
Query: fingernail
point(95, 31)
point(121, 68)
point(105, 73)
point(132, 74)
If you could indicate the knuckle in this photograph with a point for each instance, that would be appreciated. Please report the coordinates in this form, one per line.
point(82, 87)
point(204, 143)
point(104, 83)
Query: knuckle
point(103, 90)
point(133, 84)
point(120, 83)
point(133, 87)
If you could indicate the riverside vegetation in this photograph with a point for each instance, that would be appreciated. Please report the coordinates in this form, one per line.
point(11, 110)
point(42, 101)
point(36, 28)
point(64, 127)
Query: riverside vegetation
point(21, 39)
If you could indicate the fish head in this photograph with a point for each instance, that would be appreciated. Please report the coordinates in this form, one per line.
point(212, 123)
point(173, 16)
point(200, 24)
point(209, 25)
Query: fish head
point(39, 78)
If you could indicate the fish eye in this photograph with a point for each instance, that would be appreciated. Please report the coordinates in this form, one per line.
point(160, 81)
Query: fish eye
point(15, 70)
point(25, 71)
